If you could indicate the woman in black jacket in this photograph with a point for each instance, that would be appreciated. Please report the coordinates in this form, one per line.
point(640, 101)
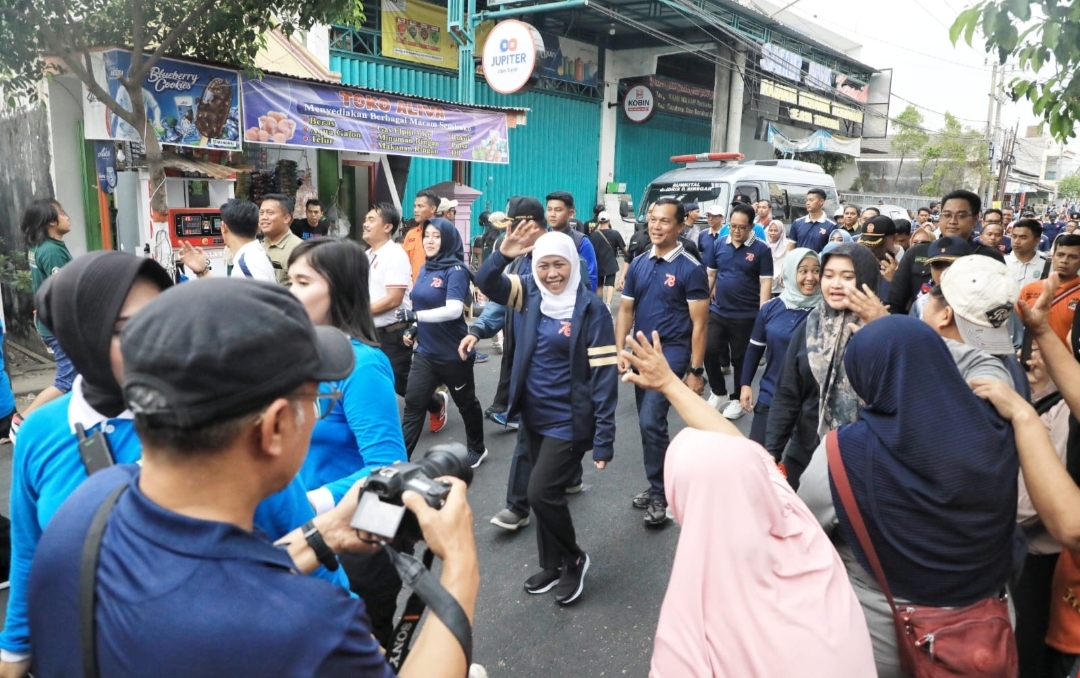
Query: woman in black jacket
point(565, 385)
point(813, 395)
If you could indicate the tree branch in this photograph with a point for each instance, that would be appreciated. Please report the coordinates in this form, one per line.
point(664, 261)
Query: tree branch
point(84, 73)
point(136, 36)
point(173, 36)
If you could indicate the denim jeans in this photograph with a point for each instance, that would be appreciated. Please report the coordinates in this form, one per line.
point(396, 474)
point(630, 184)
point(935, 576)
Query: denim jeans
point(653, 409)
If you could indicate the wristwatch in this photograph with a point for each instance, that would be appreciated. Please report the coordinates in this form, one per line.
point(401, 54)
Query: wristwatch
point(323, 552)
point(697, 371)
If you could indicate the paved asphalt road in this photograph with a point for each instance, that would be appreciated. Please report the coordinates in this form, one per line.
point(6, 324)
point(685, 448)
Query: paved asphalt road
point(609, 631)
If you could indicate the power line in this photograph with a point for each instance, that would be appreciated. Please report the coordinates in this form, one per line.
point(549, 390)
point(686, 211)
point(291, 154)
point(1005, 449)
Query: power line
point(930, 110)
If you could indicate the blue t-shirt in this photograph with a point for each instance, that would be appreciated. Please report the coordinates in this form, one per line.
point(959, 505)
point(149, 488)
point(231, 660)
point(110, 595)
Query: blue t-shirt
point(1053, 230)
point(661, 289)
point(706, 240)
point(439, 341)
point(362, 432)
point(47, 469)
point(177, 596)
point(772, 330)
point(7, 396)
point(739, 272)
point(812, 234)
point(547, 397)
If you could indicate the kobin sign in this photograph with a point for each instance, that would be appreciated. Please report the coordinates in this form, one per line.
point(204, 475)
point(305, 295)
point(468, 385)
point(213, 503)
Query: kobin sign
point(510, 54)
point(639, 104)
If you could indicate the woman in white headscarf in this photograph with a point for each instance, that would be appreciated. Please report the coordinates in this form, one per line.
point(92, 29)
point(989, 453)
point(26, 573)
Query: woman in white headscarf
point(564, 385)
point(778, 245)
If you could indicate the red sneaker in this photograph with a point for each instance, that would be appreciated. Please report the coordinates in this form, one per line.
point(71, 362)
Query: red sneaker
point(438, 419)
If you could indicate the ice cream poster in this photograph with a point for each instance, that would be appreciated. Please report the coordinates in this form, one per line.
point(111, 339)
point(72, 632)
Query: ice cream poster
point(299, 113)
point(187, 104)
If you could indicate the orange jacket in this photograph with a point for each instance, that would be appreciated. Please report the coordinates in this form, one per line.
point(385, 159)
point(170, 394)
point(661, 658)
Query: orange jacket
point(1066, 299)
point(413, 244)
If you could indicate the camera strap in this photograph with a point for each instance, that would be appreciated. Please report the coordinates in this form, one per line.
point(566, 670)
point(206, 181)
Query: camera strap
point(427, 592)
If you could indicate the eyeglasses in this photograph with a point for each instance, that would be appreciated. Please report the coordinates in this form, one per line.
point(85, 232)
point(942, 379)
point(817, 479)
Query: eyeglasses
point(960, 216)
point(324, 402)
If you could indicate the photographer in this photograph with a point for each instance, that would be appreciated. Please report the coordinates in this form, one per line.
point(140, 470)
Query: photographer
point(183, 585)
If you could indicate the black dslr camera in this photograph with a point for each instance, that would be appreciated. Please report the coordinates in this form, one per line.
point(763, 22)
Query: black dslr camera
point(381, 512)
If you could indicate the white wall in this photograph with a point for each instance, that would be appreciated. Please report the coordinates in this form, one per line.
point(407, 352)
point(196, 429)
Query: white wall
point(317, 41)
point(620, 64)
point(65, 112)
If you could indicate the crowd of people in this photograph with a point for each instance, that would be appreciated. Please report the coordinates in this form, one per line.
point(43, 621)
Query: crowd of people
point(906, 492)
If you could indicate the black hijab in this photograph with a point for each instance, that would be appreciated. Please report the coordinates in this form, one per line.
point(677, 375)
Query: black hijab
point(80, 305)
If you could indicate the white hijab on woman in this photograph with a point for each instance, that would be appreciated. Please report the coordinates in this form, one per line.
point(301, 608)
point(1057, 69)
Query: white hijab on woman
point(558, 306)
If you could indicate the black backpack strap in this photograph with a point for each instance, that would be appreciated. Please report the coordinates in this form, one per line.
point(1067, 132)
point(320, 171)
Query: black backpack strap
point(88, 579)
point(1044, 405)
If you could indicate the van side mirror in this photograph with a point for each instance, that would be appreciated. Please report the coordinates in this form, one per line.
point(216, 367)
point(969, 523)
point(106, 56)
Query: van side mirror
point(626, 209)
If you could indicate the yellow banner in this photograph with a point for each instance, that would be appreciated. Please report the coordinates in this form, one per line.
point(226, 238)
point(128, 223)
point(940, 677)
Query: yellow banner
point(416, 31)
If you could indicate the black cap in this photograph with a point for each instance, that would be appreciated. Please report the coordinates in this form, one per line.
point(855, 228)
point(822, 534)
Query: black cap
point(691, 206)
point(216, 349)
point(876, 229)
point(947, 248)
point(740, 199)
point(521, 208)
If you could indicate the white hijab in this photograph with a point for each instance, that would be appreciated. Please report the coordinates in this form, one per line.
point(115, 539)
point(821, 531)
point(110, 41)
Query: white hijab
point(558, 306)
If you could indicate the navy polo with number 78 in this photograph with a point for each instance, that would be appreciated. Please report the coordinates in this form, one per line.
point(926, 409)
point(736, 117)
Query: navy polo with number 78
point(661, 288)
point(739, 272)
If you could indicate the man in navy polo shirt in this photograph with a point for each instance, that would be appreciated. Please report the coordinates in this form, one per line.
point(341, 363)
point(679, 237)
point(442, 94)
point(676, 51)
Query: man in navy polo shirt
point(740, 277)
point(183, 585)
point(813, 230)
point(666, 291)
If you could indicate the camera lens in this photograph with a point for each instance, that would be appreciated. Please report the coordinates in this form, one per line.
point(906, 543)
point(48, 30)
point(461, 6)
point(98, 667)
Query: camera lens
point(450, 459)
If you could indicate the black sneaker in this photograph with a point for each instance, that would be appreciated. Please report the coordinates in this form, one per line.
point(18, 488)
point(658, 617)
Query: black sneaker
point(572, 581)
point(641, 500)
point(542, 582)
point(656, 513)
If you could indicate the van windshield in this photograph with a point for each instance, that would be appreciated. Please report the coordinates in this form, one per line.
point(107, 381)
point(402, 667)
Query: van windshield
point(705, 194)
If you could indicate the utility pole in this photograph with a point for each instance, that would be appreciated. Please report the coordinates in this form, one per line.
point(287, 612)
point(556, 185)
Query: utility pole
point(986, 187)
point(1008, 146)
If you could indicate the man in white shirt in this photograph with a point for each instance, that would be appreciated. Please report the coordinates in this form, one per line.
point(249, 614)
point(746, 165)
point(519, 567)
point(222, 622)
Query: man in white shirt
point(1026, 263)
point(239, 226)
point(389, 284)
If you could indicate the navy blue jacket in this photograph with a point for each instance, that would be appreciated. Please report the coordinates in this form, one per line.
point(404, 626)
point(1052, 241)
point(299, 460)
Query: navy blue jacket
point(594, 390)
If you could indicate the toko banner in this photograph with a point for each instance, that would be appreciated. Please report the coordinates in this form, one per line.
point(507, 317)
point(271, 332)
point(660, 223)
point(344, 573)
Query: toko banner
point(187, 104)
point(295, 113)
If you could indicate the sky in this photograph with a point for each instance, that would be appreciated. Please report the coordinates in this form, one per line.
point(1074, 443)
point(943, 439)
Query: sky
point(912, 38)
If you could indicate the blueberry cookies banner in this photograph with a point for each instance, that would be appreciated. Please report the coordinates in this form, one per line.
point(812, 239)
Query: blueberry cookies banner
point(187, 104)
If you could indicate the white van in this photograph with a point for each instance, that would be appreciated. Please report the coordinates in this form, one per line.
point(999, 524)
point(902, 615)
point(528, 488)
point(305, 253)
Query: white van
point(715, 178)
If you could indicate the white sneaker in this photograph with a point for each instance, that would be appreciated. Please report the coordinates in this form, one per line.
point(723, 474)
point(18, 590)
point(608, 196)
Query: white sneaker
point(715, 401)
point(734, 410)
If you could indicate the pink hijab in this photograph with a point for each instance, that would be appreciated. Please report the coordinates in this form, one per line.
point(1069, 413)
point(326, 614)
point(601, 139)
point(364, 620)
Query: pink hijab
point(757, 589)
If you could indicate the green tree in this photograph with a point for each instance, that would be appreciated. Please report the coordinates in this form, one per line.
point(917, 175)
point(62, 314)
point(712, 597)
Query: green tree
point(1047, 36)
point(1069, 187)
point(909, 138)
point(956, 153)
point(229, 31)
